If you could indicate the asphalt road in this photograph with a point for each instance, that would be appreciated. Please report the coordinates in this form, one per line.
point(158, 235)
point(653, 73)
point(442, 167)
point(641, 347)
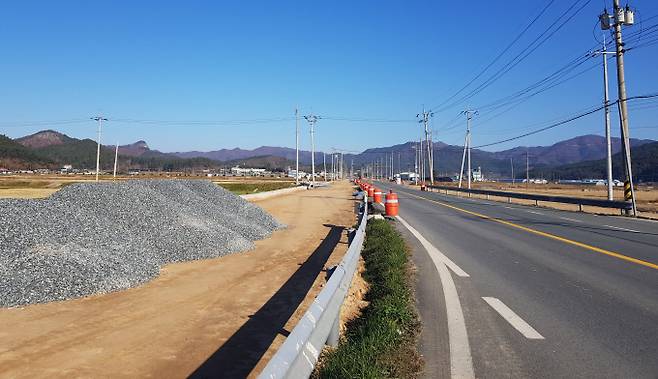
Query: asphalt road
point(549, 293)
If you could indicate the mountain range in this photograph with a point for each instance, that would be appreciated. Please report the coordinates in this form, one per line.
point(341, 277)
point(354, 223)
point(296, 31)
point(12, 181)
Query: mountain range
point(50, 148)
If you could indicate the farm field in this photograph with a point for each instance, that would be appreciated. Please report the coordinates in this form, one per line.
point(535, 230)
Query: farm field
point(39, 186)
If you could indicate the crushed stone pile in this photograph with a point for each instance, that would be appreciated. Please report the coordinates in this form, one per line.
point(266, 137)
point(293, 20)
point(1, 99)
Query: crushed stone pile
point(91, 238)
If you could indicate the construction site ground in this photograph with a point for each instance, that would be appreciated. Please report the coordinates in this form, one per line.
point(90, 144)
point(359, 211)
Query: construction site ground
point(223, 317)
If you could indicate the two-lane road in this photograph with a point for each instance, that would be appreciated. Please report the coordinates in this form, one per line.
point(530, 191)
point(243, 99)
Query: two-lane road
point(546, 293)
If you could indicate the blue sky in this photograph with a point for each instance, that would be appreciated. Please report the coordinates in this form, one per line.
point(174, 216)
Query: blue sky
point(192, 66)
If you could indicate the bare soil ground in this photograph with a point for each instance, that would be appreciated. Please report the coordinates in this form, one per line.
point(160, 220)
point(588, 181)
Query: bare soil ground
point(223, 317)
point(647, 196)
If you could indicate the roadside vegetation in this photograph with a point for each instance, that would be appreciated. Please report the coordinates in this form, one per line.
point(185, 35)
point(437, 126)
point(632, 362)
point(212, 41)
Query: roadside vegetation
point(254, 187)
point(381, 343)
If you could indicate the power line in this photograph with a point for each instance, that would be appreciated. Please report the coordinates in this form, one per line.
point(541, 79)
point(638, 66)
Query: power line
point(499, 55)
point(554, 125)
point(534, 45)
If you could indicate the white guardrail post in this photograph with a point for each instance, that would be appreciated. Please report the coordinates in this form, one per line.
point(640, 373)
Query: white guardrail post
point(297, 356)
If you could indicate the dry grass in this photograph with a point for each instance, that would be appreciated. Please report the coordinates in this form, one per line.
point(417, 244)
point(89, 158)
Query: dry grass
point(647, 196)
point(40, 186)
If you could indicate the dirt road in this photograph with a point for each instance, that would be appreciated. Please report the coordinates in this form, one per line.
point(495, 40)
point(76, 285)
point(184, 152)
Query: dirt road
point(215, 318)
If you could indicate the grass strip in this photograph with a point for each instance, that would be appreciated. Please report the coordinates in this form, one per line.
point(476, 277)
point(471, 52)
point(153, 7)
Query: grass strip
point(381, 343)
point(247, 188)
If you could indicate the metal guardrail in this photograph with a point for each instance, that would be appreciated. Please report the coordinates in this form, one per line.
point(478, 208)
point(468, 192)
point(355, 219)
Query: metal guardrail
point(297, 356)
point(624, 205)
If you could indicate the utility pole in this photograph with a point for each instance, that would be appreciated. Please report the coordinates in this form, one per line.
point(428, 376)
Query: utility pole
point(622, 17)
point(116, 158)
point(312, 119)
point(420, 160)
point(467, 146)
point(415, 163)
point(296, 146)
point(608, 138)
point(606, 103)
point(333, 170)
point(424, 119)
point(527, 170)
point(461, 170)
point(100, 120)
point(324, 164)
point(342, 165)
point(399, 167)
point(511, 163)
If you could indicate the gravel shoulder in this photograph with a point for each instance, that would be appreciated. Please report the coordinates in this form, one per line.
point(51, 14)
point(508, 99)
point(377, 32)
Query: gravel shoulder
point(178, 322)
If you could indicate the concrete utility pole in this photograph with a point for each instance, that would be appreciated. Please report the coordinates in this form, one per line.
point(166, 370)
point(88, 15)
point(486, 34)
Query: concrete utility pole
point(467, 146)
point(333, 169)
point(324, 164)
point(100, 120)
point(424, 119)
point(527, 170)
point(312, 119)
point(342, 164)
point(608, 138)
point(511, 163)
point(116, 158)
point(606, 103)
point(415, 163)
point(620, 17)
point(421, 159)
point(296, 146)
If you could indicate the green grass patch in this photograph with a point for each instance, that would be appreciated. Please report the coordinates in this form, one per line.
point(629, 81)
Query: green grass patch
point(381, 343)
point(246, 188)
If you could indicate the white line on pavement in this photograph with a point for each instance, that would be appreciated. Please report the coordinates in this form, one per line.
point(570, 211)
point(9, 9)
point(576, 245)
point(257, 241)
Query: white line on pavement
point(570, 219)
point(517, 322)
point(433, 251)
point(537, 213)
point(461, 361)
point(620, 228)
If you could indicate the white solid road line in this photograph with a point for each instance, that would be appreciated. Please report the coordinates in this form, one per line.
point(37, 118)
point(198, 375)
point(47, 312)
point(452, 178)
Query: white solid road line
point(570, 219)
point(517, 322)
point(461, 361)
point(433, 251)
point(620, 228)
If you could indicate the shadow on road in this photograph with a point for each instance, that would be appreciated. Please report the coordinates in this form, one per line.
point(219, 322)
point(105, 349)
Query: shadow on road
point(237, 357)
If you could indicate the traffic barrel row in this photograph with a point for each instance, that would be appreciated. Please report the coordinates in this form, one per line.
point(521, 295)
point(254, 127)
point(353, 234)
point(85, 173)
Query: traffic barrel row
point(391, 202)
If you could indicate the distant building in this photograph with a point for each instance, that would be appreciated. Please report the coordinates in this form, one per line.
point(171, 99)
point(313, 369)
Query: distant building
point(476, 175)
point(293, 173)
point(239, 171)
point(409, 176)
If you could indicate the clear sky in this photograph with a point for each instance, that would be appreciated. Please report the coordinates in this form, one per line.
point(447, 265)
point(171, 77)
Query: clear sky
point(194, 65)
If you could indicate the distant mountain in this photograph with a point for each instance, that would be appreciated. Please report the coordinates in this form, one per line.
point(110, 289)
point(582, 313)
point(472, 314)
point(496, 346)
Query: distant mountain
point(226, 155)
point(44, 138)
point(644, 159)
point(447, 157)
point(136, 149)
point(578, 149)
point(51, 149)
point(14, 155)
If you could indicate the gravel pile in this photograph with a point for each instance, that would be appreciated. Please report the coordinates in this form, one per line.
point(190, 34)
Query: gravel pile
point(93, 238)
